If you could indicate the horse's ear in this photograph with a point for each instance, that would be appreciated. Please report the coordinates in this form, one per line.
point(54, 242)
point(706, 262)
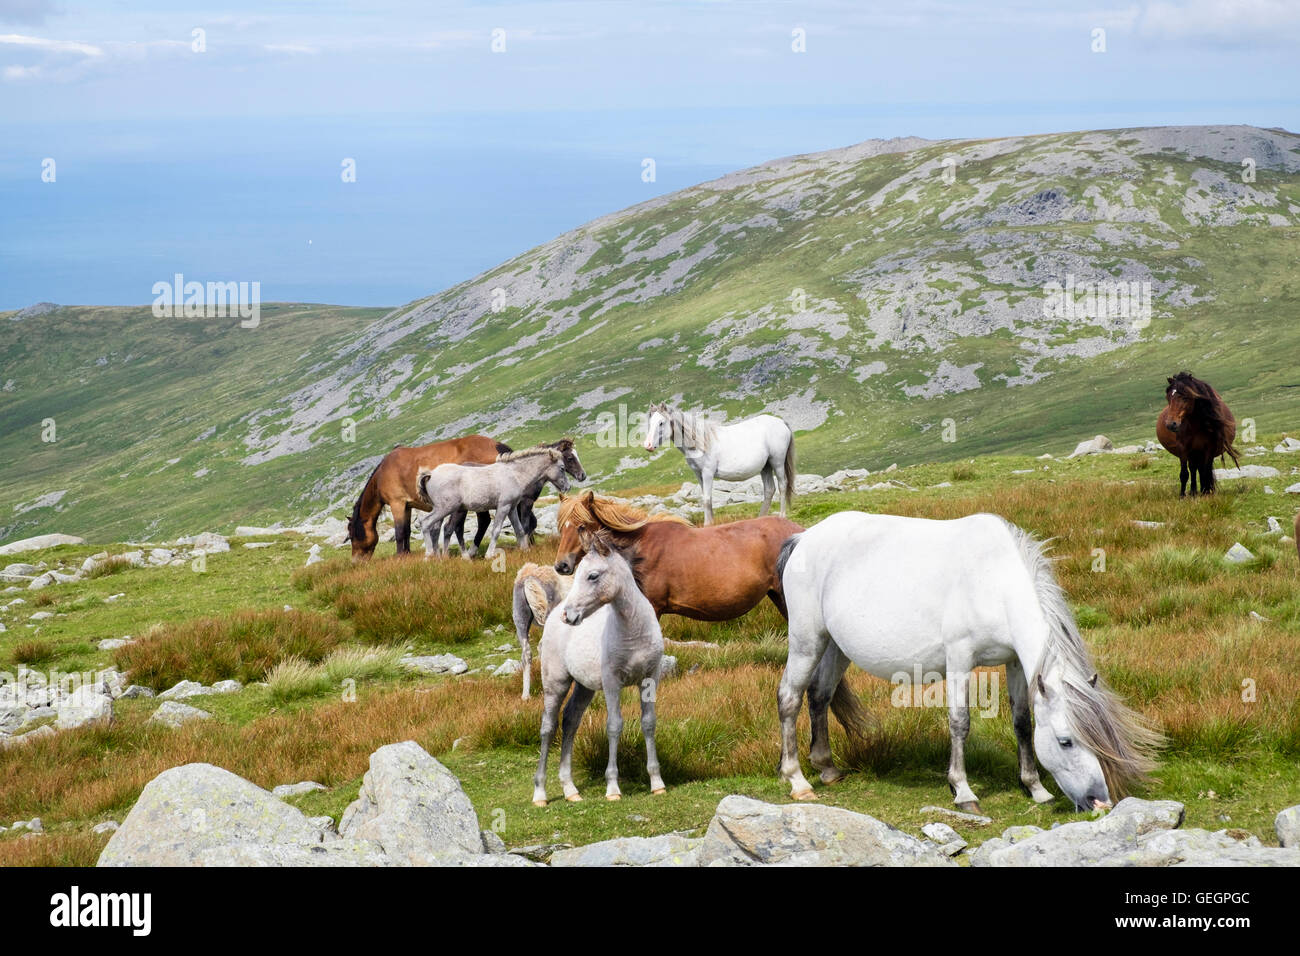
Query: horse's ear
point(589, 499)
point(1170, 380)
point(1042, 687)
point(1092, 681)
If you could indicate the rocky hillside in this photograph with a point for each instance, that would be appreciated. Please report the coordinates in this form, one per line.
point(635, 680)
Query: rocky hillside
point(901, 300)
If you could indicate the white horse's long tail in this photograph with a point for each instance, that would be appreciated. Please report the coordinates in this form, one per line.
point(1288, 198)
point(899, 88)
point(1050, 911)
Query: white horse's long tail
point(1123, 740)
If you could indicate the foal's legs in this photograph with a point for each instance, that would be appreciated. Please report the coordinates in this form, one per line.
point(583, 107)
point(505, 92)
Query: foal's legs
point(573, 711)
point(830, 670)
point(484, 519)
point(1207, 477)
point(1182, 479)
point(1193, 468)
point(552, 697)
point(959, 727)
point(649, 691)
point(613, 730)
point(503, 510)
point(806, 649)
point(1022, 720)
point(769, 488)
point(521, 533)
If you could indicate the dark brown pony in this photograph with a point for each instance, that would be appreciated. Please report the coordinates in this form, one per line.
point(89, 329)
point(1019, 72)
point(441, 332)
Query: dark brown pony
point(1196, 427)
point(714, 573)
point(393, 483)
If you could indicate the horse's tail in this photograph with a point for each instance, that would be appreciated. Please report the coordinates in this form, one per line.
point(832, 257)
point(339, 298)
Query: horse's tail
point(1122, 740)
point(789, 470)
point(503, 448)
point(422, 485)
point(787, 548)
point(355, 531)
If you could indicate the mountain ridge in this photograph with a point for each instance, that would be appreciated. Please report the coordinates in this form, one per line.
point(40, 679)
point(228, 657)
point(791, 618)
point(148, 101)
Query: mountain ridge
point(857, 291)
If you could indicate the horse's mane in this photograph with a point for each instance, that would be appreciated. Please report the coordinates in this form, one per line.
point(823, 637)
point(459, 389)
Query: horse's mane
point(1122, 740)
point(1211, 410)
point(696, 432)
point(553, 452)
point(610, 513)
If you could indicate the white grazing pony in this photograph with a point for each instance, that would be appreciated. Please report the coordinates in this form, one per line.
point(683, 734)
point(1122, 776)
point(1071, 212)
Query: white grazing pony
point(760, 445)
point(604, 636)
point(897, 595)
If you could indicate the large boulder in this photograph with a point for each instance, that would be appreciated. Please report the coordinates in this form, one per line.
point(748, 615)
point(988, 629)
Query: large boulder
point(1135, 833)
point(747, 832)
point(185, 812)
point(413, 807)
point(39, 543)
point(172, 713)
point(1093, 446)
point(670, 849)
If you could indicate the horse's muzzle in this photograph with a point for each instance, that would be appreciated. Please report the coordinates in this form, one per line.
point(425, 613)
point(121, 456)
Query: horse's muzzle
point(563, 567)
point(572, 615)
point(1172, 426)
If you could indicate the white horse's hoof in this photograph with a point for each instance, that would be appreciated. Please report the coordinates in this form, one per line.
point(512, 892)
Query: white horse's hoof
point(660, 792)
point(539, 803)
point(804, 795)
point(969, 806)
point(573, 797)
point(613, 796)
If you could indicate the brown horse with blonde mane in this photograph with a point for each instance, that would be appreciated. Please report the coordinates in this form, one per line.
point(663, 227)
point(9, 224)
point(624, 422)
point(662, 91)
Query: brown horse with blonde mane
point(1196, 427)
point(394, 482)
point(715, 573)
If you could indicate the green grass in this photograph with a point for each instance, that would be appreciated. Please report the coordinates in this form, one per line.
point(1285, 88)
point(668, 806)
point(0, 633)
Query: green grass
point(1169, 623)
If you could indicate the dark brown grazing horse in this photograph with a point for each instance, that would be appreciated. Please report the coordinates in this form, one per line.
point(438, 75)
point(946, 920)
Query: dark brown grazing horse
point(714, 573)
point(393, 483)
point(1196, 427)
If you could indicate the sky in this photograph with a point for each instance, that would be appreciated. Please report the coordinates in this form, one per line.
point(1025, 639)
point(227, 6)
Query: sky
point(210, 139)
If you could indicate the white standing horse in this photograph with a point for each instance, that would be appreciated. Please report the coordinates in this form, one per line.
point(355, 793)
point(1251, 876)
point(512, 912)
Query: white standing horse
point(604, 636)
point(896, 595)
point(760, 445)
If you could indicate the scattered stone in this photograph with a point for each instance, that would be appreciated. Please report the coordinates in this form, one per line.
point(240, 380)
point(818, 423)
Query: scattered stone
point(186, 688)
point(85, 706)
point(747, 832)
point(297, 789)
point(1148, 524)
point(108, 826)
point(113, 643)
point(32, 735)
point(948, 840)
point(1287, 445)
point(1238, 554)
point(253, 545)
point(1293, 489)
point(172, 713)
point(1287, 826)
point(1274, 526)
point(41, 616)
point(1093, 446)
point(225, 687)
point(137, 690)
point(667, 667)
point(507, 668)
point(668, 850)
point(970, 819)
point(541, 852)
point(1246, 471)
point(313, 555)
point(493, 843)
point(434, 664)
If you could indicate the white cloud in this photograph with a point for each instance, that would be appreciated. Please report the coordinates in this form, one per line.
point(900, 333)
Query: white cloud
point(54, 46)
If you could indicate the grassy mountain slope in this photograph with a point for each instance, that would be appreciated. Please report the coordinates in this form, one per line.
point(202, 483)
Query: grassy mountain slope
point(921, 300)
